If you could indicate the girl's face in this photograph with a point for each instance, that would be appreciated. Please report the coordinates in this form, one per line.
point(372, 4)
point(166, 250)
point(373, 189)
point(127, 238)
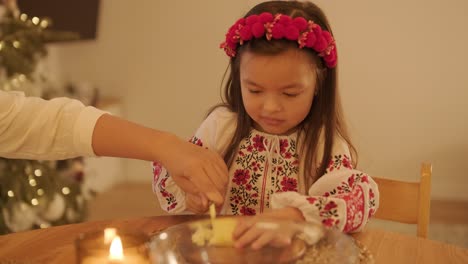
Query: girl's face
point(277, 90)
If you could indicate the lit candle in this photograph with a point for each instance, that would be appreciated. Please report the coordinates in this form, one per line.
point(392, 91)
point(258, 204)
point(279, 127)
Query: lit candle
point(114, 248)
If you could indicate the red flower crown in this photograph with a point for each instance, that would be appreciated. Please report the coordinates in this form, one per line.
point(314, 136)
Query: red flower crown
point(306, 33)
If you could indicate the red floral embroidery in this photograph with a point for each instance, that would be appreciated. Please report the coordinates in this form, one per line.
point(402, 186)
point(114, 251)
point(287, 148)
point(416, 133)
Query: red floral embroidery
point(255, 180)
point(196, 141)
point(157, 168)
point(329, 222)
point(347, 186)
point(258, 143)
point(283, 145)
point(160, 186)
point(371, 203)
point(354, 208)
point(289, 184)
point(338, 161)
point(328, 210)
point(241, 177)
point(247, 211)
point(330, 206)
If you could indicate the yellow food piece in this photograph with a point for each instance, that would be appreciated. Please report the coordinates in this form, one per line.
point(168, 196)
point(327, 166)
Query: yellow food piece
point(212, 211)
point(220, 233)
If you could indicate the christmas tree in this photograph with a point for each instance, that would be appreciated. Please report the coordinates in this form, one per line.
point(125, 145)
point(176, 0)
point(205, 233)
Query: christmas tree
point(34, 194)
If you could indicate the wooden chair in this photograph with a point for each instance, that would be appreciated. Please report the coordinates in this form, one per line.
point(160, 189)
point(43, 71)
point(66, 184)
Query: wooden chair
point(407, 202)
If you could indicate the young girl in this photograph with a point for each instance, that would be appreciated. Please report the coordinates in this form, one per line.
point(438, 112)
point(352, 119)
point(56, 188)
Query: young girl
point(280, 129)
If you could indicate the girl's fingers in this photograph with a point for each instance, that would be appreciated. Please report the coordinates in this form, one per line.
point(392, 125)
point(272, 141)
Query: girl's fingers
point(243, 225)
point(248, 237)
point(265, 237)
point(281, 241)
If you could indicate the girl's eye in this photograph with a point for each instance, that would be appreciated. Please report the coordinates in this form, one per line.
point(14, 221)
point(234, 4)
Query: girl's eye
point(291, 94)
point(254, 91)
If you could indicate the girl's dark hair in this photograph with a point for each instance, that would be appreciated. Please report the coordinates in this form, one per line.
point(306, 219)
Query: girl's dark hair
point(325, 117)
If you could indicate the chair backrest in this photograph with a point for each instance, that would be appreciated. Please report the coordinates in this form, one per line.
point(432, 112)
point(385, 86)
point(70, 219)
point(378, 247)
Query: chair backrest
point(406, 202)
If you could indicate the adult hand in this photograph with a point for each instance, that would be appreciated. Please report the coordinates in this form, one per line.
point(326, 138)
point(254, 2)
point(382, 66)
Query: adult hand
point(196, 203)
point(197, 171)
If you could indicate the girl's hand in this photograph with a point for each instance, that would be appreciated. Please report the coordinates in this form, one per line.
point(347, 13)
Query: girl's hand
point(271, 228)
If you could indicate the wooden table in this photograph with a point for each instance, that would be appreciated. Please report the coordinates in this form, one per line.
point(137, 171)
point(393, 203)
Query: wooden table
point(55, 244)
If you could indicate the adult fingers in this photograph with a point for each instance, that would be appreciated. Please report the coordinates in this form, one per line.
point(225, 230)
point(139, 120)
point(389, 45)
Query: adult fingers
point(196, 204)
point(220, 167)
point(185, 184)
point(219, 184)
point(200, 179)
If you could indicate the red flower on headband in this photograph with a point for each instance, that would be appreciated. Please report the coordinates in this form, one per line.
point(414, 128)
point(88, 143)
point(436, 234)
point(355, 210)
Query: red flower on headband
point(291, 32)
point(278, 30)
point(258, 29)
point(266, 17)
point(279, 26)
point(300, 23)
point(251, 20)
point(245, 33)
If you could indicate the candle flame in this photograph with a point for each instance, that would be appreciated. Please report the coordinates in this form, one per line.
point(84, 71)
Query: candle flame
point(116, 250)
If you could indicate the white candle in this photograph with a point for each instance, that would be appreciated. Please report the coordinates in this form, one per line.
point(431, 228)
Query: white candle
point(106, 260)
point(116, 255)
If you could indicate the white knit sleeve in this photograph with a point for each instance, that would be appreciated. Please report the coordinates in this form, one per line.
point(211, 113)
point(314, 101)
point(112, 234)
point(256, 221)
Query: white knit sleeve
point(33, 128)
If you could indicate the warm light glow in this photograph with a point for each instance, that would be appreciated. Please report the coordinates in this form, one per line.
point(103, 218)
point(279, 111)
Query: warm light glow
point(35, 20)
point(109, 235)
point(16, 44)
point(23, 17)
point(34, 201)
point(44, 23)
point(38, 172)
point(40, 192)
point(66, 190)
point(163, 236)
point(11, 193)
point(116, 250)
point(32, 182)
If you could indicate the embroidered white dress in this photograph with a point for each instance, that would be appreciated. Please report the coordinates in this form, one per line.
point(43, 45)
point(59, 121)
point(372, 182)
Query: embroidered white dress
point(265, 174)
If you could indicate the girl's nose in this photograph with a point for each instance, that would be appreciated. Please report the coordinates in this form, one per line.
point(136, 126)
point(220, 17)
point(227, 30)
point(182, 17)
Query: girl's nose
point(272, 104)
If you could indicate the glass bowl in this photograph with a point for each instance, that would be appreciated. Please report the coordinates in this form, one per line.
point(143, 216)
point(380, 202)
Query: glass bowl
point(182, 244)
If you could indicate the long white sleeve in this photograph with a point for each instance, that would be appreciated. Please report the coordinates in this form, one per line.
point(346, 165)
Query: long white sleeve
point(33, 128)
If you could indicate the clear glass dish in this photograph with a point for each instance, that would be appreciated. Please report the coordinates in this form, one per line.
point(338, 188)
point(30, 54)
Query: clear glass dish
point(310, 243)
